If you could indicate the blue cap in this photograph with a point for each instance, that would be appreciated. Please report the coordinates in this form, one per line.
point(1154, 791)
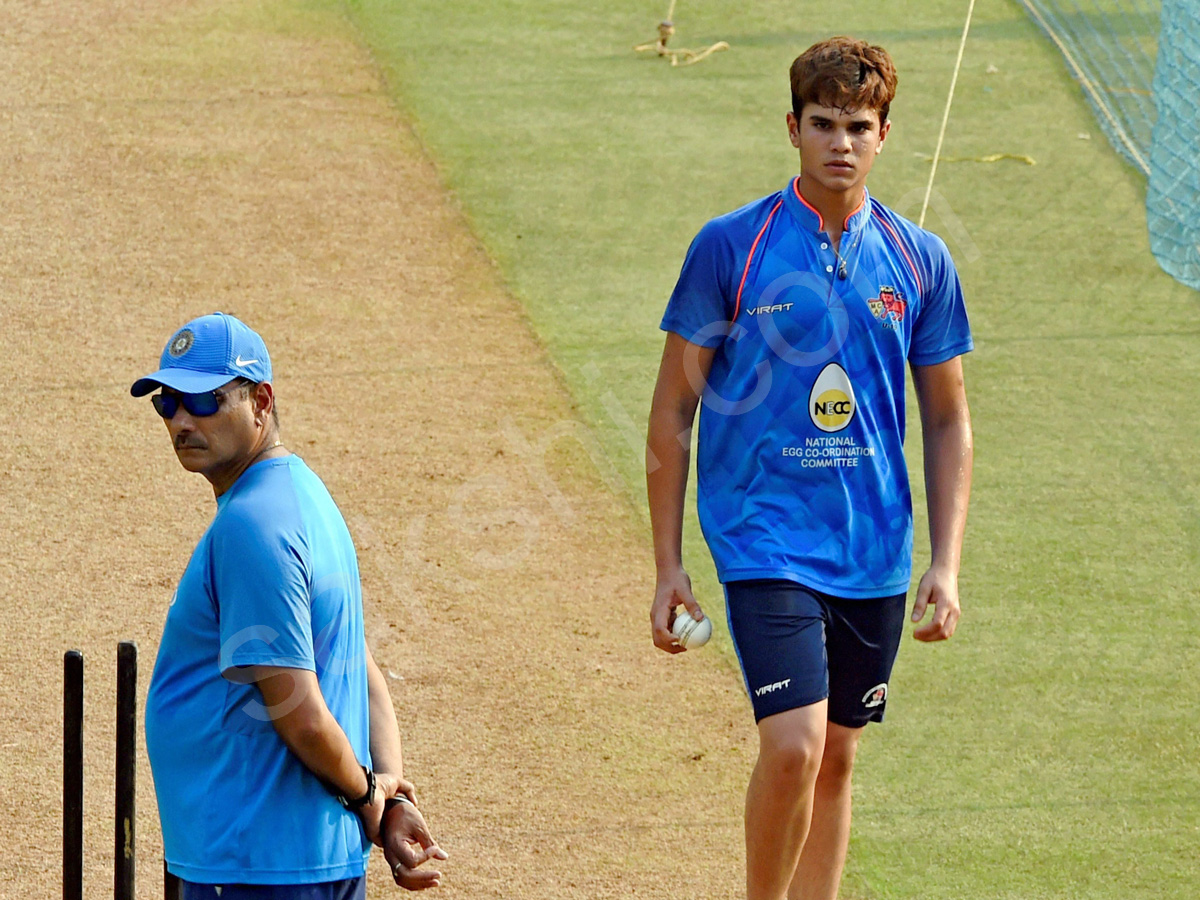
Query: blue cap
point(206, 353)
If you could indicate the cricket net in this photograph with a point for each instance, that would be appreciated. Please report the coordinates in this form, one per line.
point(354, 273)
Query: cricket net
point(1138, 62)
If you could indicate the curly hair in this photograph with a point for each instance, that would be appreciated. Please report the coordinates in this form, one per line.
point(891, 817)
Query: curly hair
point(845, 74)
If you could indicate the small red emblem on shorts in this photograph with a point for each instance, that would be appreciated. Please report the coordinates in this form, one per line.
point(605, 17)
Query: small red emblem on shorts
point(875, 696)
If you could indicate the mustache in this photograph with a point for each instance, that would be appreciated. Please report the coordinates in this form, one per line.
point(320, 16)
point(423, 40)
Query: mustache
point(182, 443)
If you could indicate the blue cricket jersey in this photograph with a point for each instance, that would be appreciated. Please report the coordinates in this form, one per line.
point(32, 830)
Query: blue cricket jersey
point(274, 581)
point(801, 464)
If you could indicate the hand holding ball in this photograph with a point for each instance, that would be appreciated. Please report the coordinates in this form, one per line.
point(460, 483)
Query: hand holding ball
point(689, 633)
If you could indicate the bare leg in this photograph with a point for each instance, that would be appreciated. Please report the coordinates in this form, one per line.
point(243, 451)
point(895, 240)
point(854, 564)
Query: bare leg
point(780, 797)
point(820, 869)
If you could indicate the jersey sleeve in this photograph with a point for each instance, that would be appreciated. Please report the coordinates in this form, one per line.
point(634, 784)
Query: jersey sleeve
point(261, 577)
point(941, 331)
point(702, 302)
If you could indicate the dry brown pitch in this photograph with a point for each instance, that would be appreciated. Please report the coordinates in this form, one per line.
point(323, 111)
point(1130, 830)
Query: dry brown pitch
point(167, 159)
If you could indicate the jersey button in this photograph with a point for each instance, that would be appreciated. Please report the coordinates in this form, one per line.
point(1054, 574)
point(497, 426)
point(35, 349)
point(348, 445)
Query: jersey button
point(824, 246)
point(829, 268)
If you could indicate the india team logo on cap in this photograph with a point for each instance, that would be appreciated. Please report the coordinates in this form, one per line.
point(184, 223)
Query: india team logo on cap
point(831, 403)
point(181, 343)
point(206, 353)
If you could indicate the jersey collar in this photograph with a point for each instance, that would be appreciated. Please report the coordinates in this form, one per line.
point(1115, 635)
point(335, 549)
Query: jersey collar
point(253, 470)
point(807, 215)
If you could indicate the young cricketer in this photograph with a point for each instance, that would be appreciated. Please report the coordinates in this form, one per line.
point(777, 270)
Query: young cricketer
point(793, 320)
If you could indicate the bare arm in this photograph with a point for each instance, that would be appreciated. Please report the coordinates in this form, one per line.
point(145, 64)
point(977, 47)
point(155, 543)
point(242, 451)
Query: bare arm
point(386, 752)
point(407, 843)
point(297, 708)
point(681, 377)
point(949, 453)
point(298, 711)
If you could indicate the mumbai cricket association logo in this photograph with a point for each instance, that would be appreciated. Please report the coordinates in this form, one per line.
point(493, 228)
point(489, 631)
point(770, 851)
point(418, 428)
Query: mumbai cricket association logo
point(875, 696)
point(889, 306)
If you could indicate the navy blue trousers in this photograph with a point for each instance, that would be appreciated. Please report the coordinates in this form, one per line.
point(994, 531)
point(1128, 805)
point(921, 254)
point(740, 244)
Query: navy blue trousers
point(349, 889)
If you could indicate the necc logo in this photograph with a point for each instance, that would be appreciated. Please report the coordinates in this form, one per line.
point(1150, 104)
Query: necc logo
point(831, 403)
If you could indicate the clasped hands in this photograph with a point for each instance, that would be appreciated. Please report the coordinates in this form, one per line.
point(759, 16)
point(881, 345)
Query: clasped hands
point(398, 827)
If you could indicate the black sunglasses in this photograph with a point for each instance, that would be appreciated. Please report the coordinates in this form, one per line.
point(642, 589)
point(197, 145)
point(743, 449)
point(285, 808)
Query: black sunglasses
point(203, 404)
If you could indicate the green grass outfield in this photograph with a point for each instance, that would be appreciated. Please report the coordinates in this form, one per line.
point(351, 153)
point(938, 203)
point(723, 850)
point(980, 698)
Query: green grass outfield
point(1051, 749)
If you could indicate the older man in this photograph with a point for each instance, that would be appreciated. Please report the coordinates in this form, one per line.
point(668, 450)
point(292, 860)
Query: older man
point(270, 729)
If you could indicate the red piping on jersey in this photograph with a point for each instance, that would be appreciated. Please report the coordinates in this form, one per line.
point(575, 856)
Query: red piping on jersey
point(861, 203)
point(800, 197)
point(746, 271)
point(815, 212)
point(900, 244)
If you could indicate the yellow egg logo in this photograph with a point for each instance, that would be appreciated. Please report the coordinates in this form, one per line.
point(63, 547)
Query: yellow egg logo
point(831, 410)
point(831, 403)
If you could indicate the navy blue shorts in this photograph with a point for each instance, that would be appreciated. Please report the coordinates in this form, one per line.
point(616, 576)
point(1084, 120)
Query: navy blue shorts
point(798, 646)
point(348, 889)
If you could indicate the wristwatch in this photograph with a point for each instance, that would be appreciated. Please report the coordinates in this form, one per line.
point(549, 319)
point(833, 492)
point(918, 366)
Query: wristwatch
point(365, 799)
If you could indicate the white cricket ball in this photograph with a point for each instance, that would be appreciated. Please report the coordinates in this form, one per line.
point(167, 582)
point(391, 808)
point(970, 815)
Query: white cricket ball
point(690, 633)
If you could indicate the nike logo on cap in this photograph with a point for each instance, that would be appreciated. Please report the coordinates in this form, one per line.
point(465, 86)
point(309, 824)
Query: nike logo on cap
point(243, 362)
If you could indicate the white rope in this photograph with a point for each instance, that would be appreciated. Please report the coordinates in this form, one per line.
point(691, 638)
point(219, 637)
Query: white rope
point(946, 115)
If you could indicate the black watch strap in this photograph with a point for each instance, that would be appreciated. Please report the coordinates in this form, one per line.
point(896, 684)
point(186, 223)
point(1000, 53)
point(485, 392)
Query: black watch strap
point(365, 799)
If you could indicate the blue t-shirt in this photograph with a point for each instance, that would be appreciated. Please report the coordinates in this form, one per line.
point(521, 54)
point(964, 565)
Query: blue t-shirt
point(800, 463)
point(274, 581)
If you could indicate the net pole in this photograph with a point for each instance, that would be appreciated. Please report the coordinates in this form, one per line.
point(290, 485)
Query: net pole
point(946, 114)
